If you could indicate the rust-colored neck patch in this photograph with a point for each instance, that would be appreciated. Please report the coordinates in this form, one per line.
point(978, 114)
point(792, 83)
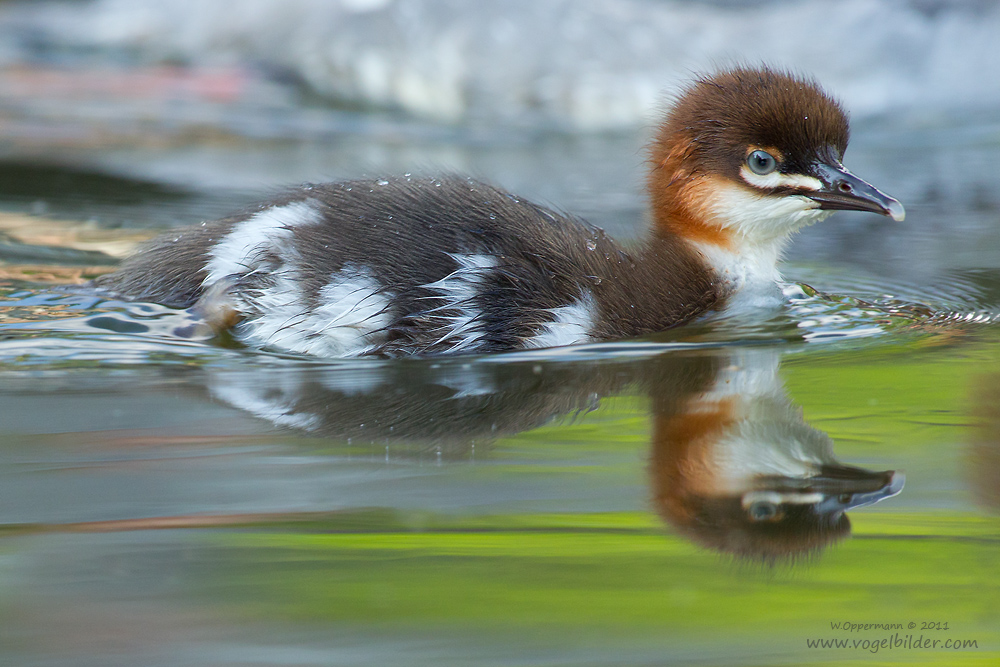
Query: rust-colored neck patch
point(681, 465)
point(680, 197)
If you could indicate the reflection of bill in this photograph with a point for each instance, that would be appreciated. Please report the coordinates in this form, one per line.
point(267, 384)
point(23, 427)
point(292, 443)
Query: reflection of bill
point(733, 465)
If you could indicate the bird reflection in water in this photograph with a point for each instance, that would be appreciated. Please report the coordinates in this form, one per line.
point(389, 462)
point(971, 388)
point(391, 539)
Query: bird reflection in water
point(733, 465)
point(737, 469)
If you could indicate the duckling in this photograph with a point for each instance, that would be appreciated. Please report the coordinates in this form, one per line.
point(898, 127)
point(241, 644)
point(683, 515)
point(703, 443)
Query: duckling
point(405, 265)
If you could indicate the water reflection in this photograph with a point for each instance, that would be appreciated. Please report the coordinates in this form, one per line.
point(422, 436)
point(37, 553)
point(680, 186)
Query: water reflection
point(737, 469)
point(733, 465)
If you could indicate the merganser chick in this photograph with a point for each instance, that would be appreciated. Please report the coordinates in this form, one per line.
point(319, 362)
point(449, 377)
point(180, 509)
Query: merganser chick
point(399, 266)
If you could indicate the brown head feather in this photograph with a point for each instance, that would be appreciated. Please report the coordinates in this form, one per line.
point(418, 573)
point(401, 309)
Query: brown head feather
point(718, 119)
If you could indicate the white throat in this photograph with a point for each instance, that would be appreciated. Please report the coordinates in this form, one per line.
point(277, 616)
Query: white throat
point(759, 228)
point(749, 274)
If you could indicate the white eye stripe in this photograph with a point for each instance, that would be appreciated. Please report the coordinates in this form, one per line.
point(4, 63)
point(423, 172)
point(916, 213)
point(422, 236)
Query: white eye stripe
point(778, 180)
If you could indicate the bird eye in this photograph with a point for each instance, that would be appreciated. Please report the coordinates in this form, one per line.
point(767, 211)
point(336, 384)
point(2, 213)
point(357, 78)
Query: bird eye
point(763, 510)
point(761, 163)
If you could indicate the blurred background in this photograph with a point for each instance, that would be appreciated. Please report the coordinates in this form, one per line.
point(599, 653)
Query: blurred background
point(584, 65)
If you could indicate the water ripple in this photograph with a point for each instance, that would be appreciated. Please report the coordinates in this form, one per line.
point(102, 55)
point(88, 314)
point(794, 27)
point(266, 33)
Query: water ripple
point(69, 327)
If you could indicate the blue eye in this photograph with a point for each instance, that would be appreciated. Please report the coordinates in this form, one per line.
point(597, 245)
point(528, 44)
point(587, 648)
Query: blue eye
point(763, 510)
point(761, 163)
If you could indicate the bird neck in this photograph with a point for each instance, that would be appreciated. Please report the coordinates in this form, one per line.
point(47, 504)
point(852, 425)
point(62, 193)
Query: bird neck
point(744, 270)
point(724, 226)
